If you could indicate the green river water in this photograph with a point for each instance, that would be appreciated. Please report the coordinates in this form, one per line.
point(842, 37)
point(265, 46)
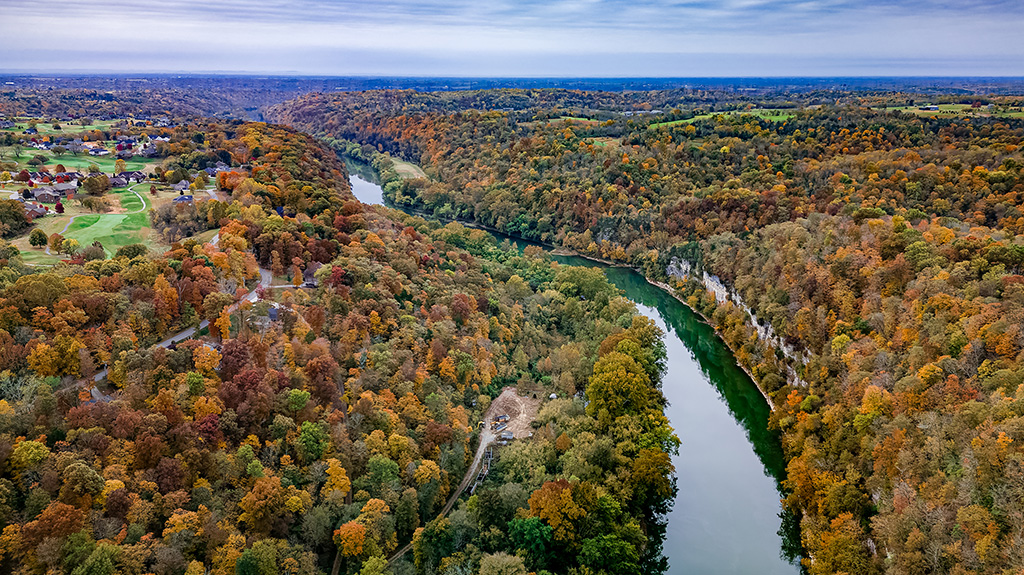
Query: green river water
point(727, 516)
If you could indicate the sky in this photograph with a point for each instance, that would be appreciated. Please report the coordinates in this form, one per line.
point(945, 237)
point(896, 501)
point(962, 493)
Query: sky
point(504, 38)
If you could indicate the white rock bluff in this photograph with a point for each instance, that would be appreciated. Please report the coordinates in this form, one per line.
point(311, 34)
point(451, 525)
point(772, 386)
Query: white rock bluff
point(683, 270)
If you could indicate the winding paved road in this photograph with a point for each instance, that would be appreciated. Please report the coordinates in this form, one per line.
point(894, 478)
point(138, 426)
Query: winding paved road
point(265, 280)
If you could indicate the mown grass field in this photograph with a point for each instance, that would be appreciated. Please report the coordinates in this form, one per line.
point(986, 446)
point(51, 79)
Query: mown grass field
point(46, 128)
point(127, 224)
point(408, 170)
point(205, 237)
point(580, 120)
point(80, 162)
point(771, 114)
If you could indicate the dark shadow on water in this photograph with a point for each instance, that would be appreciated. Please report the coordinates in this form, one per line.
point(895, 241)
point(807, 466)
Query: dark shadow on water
point(715, 360)
point(740, 394)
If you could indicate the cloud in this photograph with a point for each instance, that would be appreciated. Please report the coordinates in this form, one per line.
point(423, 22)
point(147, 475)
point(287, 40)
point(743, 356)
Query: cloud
point(529, 37)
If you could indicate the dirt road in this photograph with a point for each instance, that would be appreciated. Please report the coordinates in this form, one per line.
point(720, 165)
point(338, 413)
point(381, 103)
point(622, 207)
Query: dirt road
point(521, 411)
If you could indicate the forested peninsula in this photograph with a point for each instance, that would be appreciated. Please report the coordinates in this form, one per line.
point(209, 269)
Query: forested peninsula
point(295, 382)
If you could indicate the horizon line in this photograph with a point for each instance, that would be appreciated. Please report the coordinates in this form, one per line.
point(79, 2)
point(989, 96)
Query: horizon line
point(250, 74)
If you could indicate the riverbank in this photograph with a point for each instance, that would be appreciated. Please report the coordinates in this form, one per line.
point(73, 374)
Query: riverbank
point(733, 464)
point(569, 252)
point(672, 292)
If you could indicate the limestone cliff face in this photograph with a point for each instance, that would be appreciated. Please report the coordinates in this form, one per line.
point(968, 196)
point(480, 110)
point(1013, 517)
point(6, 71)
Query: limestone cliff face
point(683, 270)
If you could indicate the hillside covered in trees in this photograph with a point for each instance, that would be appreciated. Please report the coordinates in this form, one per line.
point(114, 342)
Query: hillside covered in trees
point(874, 261)
point(322, 429)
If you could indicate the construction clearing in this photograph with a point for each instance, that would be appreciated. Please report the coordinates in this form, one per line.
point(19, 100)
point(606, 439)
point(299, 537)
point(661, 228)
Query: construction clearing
point(515, 414)
point(519, 412)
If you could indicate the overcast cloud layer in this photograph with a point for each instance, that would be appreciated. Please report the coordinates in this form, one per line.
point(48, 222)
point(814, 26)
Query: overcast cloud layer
point(529, 38)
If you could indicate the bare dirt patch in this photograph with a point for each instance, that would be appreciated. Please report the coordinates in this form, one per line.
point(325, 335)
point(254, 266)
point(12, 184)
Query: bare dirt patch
point(521, 411)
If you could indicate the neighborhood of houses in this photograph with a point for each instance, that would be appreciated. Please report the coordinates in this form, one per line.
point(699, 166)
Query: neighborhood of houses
point(125, 147)
point(47, 188)
point(53, 188)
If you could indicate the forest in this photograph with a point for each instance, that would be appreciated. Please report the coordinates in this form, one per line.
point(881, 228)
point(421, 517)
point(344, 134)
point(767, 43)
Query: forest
point(889, 335)
point(314, 430)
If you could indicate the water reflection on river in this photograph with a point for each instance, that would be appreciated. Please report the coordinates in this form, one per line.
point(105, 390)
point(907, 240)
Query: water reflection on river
point(726, 516)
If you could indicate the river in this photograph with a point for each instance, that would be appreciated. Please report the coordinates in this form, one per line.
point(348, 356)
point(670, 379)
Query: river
point(727, 516)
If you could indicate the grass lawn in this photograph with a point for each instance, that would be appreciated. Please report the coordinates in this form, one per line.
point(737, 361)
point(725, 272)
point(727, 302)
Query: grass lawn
point(678, 122)
point(128, 224)
point(35, 256)
point(106, 163)
point(205, 237)
point(408, 170)
point(580, 120)
point(775, 115)
point(46, 128)
point(81, 162)
point(771, 114)
point(602, 141)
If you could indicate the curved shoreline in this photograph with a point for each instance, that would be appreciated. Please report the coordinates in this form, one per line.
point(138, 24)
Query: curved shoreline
point(672, 292)
point(564, 251)
point(731, 386)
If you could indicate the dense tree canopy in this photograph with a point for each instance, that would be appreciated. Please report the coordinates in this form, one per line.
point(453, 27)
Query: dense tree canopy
point(319, 428)
point(864, 265)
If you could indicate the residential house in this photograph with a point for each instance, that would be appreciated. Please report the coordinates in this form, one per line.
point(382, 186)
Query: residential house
point(181, 186)
point(46, 195)
point(134, 177)
point(309, 275)
point(183, 199)
point(118, 182)
point(35, 211)
point(99, 152)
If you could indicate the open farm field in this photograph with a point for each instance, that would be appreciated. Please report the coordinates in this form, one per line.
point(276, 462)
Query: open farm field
point(46, 128)
point(960, 110)
point(603, 141)
point(772, 114)
point(408, 170)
